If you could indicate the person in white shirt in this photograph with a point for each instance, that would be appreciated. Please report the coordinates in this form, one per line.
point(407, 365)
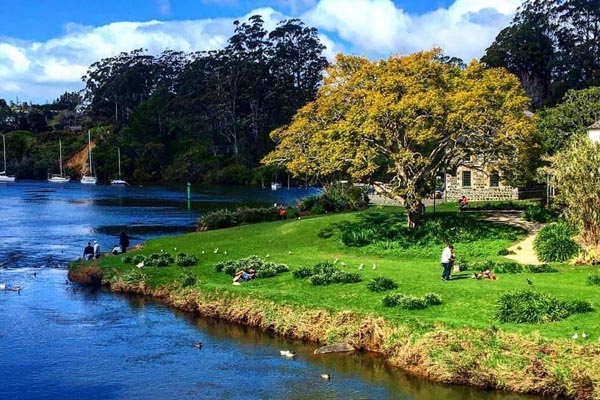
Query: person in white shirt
point(96, 249)
point(447, 260)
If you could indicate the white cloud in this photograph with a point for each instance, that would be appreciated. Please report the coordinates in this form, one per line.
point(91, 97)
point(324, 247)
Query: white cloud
point(41, 71)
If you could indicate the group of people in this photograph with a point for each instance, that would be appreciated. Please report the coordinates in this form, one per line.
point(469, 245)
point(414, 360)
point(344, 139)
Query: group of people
point(91, 252)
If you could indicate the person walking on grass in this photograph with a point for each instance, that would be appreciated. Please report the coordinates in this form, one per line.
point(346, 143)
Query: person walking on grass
point(447, 260)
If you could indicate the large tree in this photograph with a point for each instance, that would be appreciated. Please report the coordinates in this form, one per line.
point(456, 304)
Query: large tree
point(407, 119)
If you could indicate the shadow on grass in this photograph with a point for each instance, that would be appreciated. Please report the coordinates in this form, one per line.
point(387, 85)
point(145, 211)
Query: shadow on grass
point(384, 229)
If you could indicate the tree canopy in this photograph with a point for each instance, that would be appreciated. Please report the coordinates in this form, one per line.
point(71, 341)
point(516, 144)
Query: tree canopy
point(405, 119)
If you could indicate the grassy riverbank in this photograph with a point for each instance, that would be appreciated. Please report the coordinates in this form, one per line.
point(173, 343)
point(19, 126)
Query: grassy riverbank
point(458, 341)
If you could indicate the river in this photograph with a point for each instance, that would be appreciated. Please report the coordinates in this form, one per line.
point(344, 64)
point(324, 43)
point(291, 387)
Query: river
point(59, 340)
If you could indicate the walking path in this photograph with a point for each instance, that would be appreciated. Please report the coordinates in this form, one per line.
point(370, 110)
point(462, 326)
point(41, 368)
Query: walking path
point(524, 252)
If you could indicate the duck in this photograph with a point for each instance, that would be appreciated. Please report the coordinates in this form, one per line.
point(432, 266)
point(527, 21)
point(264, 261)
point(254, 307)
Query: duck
point(2, 286)
point(216, 250)
point(198, 345)
point(583, 335)
point(16, 288)
point(140, 265)
point(283, 352)
point(575, 336)
point(335, 261)
point(326, 376)
point(374, 266)
point(361, 266)
point(290, 354)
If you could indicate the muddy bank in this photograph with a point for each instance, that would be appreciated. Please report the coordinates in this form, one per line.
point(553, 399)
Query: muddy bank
point(483, 358)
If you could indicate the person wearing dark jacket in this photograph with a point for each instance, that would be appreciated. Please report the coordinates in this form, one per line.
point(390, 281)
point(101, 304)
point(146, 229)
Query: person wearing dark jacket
point(124, 241)
point(88, 252)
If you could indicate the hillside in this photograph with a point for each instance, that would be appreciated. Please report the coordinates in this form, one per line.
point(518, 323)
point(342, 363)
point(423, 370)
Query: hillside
point(80, 160)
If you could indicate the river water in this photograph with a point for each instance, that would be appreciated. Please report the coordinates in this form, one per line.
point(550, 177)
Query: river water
point(65, 341)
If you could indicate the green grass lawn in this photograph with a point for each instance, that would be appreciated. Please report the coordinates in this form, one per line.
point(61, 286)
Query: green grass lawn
point(415, 268)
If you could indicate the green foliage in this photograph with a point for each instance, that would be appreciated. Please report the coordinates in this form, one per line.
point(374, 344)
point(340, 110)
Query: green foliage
point(263, 269)
point(409, 302)
point(554, 243)
point(536, 213)
point(187, 279)
point(336, 198)
point(133, 276)
point(224, 218)
point(593, 279)
point(531, 307)
point(184, 260)
point(326, 273)
point(162, 259)
point(381, 284)
point(505, 252)
point(511, 267)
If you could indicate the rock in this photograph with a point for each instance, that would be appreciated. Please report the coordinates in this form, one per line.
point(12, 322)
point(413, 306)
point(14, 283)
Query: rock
point(335, 348)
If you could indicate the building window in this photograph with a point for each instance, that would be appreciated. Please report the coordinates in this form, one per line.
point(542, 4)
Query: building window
point(494, 179)
point(466, 178)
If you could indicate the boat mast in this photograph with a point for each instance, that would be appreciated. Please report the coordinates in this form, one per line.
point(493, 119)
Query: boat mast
point(60, 156)
point(90, 151)
point(4, 151)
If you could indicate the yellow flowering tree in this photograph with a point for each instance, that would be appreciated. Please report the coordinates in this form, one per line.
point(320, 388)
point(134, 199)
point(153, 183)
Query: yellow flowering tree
point(407, 119)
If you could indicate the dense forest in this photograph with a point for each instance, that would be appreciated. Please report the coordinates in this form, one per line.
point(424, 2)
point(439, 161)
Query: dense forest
point(207, 116)
point(200, 117)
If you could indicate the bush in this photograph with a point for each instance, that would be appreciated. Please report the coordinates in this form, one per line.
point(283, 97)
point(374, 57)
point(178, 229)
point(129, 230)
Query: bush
point(183, 260)
point(531, 307)
point(508, 268)
point(215, 220)
point(381, 284)
point(263, 269)
point(303, 272)
point(593, 279)
point(543, 268)
point(554, 243)
point(409, 302)
point(432, 299)
point(505, 252)
point(536, 213)
point(188, 279)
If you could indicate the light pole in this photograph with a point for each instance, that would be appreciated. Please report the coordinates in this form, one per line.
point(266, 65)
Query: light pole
point(437, 178)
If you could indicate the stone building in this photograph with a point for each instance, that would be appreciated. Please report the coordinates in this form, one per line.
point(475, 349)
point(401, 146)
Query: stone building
point(477, 185)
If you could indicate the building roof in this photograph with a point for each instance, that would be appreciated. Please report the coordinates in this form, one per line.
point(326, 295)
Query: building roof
point(595, 125)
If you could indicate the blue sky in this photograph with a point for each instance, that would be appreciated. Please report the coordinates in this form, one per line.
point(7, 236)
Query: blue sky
point(47, 45)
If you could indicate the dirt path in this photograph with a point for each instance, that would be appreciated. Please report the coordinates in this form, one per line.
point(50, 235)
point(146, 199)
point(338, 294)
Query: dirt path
point(524, 252)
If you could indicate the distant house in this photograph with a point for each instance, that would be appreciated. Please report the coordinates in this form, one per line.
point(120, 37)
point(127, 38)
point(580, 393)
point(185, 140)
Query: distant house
point(594, 131)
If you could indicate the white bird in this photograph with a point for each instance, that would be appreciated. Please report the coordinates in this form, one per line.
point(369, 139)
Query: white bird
point(140, 264)
point(216, 250)
point(583, 335)
point(267, 256)
point(283, 352)
point(162, 251)
point(202, 251)
point(290, 354)
point(289, 252)
point(374, 266)
point(16, 288)
point(2, 286)
point(326, 376)
point(575, 336)
point(335, 261)
point(361, 266)
point(225, 252)
point(175, 249)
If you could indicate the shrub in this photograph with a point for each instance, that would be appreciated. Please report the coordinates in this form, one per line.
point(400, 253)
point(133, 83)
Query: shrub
point(536, 213)
point(302, 272)
point(188, 279)
point(542, 268)
point(505, 252)
point(409, 302)
point(183, 260)
point(138, 258)
point(320, 279)
point(531, 307)
point(593, 279)
point(127, 259)
point(381, 284)
point(508, 268)
point(432, 299)
point(346, 277)
point(263, 269)
point(215, 220)
point(555, 243)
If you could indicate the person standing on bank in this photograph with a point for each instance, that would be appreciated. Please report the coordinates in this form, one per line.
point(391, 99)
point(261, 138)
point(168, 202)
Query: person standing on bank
point(124, 241)
point(96, 249)
point(88, 252)
point(447, 260)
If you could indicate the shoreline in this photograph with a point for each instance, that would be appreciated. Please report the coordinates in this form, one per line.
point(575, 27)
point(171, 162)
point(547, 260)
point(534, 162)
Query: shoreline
point(482, 358)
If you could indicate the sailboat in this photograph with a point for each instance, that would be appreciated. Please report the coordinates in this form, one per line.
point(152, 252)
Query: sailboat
point(59, 178)
point(3, 176)
point(91, 179)
point(119, 181)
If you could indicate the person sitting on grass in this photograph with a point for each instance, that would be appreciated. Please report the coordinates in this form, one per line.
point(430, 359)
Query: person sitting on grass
point(487, 274)
point(243, 275)
point(463, 203)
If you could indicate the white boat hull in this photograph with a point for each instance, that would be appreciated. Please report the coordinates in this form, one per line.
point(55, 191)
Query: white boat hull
point(275, 186)
point(59, 179)
point(88, 180)
point(118, 182)
point(6, 178)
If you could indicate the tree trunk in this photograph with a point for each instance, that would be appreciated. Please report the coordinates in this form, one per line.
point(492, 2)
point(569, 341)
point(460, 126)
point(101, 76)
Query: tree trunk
point(414, 210)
